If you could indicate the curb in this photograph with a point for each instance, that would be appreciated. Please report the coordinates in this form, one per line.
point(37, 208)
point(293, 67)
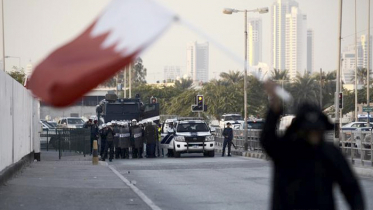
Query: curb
point(257, 155)
point(10, 171)
point(363, 171)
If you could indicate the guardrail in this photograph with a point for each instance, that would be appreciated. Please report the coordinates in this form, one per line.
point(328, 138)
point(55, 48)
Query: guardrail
point(67, 141)
point(357, 146)
point(253, 136)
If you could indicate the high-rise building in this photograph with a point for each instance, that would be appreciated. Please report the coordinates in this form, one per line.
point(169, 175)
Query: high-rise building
point(296, 42)
point(171, 73)
point(310, 50)
point(363, 49)
point(348, 64)
point(254, 45)
point(198, 61)
point(348, 59)
point(278, 30)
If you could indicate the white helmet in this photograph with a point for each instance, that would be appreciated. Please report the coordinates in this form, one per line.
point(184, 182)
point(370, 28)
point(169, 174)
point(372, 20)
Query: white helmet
point(134, 120)
point(109, 124)
point(104, 125)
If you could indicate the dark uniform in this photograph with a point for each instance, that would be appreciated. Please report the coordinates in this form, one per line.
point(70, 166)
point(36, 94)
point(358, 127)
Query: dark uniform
point(304, 175)
point(137, 141)
point(116, 142)
point(151, 137)
point(124, 141)
point(103, 141)
point(228, 137)
point(109, 143)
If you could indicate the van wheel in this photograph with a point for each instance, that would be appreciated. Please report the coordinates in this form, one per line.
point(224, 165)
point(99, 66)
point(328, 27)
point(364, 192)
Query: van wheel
point(212, 153)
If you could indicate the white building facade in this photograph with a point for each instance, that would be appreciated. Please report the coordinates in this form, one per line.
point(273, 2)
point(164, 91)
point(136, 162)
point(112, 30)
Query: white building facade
point(254, 44)
point(198, 61)
point(310, 51)
point(296, 43)
point(171, 73)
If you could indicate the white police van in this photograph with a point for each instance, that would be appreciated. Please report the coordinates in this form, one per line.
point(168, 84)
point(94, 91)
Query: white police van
point(191, 135)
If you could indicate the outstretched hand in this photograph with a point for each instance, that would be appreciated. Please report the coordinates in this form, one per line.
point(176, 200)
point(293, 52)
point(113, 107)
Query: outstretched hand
point(274, 101)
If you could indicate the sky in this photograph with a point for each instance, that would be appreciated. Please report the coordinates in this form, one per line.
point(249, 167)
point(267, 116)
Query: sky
point(34, 28)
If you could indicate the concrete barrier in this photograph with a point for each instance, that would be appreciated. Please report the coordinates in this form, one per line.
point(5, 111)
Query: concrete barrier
point(19, 124)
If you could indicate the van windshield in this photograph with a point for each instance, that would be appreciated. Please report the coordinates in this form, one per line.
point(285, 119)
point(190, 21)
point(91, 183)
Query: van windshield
point(192, 127)
point(75, 121)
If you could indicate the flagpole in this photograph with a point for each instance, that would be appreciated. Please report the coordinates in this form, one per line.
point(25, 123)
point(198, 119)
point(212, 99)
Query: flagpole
point(2, 27)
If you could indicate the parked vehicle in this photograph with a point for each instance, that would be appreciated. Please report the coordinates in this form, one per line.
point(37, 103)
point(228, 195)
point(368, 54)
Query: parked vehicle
point(71, 122)
point(235, 119)
point(355, 125)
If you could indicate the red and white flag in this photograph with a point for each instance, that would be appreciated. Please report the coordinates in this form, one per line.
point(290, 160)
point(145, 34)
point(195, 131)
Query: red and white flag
point(114, 40)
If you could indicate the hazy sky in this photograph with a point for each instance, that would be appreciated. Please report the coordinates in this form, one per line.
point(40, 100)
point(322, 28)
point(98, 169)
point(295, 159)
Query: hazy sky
point(33, 28)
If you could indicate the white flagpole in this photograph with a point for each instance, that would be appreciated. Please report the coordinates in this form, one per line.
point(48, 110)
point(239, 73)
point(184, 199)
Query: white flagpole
point(280, 92)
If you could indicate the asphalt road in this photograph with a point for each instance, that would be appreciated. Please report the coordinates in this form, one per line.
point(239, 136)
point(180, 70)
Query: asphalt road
point(196, 182)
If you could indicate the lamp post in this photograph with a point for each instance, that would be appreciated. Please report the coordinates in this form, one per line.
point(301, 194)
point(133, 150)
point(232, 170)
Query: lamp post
point(230, 11)
point(19, 60)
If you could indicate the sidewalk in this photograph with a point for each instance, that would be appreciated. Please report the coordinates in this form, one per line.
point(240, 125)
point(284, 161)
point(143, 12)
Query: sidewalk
point(70, 183)
point(359, 169)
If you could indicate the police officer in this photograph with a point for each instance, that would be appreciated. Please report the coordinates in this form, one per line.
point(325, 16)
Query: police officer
point(137, 139)
point(103, 139)
point(159, 141)
point(124, 140)
point(151, 137)
point(109, 133)
point(116, 139)
point(228, 137)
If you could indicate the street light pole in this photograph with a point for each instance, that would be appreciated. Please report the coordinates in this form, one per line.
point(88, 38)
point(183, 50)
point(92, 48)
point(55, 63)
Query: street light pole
point(355, 60)
point(245, 87)
point(2, 19)
point(368, 64)
point(230, 11)
point(336, 101)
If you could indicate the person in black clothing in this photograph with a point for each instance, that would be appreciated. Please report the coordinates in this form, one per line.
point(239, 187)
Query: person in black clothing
point(228, 137)
point(151, 138)
point(305, 166)
point(103, 140)
point(109, 142)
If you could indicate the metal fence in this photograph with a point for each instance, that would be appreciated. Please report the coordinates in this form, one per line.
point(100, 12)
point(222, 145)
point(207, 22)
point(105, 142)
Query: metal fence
point(357, 146)
point(67, 141)
point(239, 138)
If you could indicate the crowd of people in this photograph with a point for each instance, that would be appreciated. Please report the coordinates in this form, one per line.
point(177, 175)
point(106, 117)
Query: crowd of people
point(124, 140)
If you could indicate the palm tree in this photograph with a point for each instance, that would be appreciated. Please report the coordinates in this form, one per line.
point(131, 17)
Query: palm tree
point(305, 89)
point(278, 74)
point(361, 76)
point(232, 77)
point(183, 84)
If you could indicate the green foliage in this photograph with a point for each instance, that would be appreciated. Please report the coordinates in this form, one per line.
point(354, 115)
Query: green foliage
point(18, 75)
point(138, 74)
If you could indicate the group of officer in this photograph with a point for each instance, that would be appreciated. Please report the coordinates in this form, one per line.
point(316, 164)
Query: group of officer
point(121, 138)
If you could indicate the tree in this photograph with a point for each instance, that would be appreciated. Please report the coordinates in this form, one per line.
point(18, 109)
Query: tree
point(17, 74)
point(278, 74)
point(138, 73)
point(232, 77)
point(183, 84)
point(305, 89)
point(222, 97)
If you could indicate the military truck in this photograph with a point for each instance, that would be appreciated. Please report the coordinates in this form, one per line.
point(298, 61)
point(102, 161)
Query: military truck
point(114, 108)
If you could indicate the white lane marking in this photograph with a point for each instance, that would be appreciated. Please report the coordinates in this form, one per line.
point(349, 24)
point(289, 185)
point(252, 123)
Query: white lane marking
point(136, 190)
